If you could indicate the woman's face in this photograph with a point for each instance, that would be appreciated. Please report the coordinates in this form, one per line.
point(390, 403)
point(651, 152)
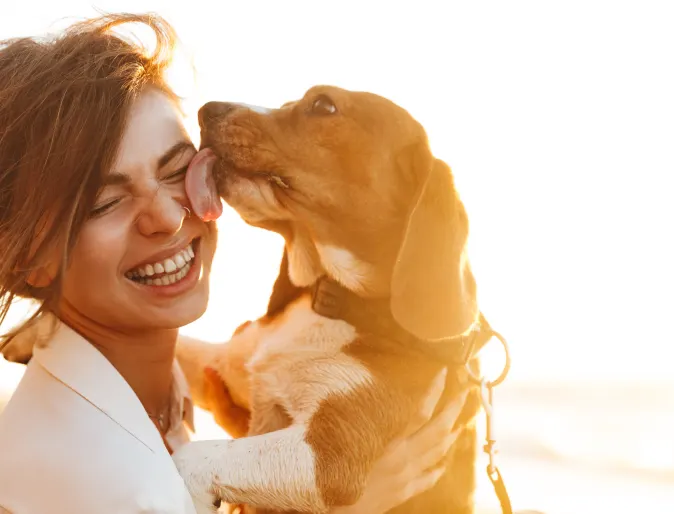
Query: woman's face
point(141, 262)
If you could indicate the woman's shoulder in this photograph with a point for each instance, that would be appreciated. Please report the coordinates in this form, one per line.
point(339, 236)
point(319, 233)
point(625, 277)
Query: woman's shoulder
point(46, 423)
point(57, 444)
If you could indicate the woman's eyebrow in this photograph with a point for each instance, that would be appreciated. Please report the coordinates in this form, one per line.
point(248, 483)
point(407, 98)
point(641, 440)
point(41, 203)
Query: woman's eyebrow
point(115, 178)
point(177, 148)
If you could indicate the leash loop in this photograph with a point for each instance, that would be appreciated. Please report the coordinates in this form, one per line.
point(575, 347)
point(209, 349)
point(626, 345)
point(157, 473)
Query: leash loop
point(490, 448)
point(487, 399)
point(506, 366)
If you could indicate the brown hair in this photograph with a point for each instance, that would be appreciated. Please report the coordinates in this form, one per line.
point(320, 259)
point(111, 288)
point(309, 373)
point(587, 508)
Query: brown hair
point(64, 102)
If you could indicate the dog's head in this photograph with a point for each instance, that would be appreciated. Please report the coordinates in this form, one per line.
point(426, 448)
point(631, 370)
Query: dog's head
point(348, 179)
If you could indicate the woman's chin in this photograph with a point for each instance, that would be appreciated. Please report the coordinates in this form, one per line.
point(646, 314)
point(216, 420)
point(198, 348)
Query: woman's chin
point(176, 314)
point(170, 320)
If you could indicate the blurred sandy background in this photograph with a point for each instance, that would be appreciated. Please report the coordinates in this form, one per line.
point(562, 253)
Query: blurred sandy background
point(557, 120)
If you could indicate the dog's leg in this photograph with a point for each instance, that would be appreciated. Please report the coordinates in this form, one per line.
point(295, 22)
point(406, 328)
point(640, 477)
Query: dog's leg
point(266, 417)
point(305, 467)
point(268, 420)
point(274, 470)
point(266, 414)
point(323, 459)
point(228, 359)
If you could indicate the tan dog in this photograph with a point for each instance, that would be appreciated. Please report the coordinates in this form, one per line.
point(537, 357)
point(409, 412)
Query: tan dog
point(374, 296)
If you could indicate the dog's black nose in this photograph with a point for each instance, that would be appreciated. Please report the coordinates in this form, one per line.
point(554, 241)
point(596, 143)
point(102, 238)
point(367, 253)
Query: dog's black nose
point(213, 110)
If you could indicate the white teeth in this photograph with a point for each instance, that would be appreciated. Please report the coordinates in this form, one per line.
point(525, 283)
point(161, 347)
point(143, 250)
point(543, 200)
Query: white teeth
point(166, 279)
point(169, 266)
point(173, 269)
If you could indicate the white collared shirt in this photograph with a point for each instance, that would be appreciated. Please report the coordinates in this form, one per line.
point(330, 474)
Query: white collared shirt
point(75, 438)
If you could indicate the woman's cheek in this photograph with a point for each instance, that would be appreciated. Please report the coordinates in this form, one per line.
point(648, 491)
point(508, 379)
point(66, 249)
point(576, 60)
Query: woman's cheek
point(98, 253)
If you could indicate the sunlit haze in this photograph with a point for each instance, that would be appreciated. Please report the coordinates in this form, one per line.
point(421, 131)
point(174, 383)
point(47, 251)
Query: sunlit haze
point(557, 119)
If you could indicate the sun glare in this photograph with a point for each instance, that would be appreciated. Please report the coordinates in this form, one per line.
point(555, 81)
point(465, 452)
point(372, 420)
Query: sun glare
point(556, 122)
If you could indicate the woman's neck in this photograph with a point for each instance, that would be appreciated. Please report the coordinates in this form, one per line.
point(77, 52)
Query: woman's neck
point(143, 358)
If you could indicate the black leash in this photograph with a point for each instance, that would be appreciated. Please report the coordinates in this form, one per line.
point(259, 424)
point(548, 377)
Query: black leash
point(332, 300)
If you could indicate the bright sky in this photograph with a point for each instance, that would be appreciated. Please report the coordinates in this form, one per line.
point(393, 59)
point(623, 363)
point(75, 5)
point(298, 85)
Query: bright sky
point(557, 119)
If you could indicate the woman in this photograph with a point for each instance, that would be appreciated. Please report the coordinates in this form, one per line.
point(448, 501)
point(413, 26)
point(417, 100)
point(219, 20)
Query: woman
point(93, 154)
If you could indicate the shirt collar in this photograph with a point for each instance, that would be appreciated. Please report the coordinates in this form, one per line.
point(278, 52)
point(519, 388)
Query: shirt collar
point(75, 362)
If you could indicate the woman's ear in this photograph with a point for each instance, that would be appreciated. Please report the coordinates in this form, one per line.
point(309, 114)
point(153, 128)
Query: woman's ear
point(432, 288)
point(40, 277)
point(43, 263)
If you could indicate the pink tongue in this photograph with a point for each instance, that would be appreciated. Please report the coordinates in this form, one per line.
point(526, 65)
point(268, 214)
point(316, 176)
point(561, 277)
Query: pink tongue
point(200, 186)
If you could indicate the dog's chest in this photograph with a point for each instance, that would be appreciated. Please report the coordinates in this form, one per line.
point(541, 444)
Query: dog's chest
point(299, 361)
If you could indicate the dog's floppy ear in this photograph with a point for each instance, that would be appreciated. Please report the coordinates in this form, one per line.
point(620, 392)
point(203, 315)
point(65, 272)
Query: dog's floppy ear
point(432, 287)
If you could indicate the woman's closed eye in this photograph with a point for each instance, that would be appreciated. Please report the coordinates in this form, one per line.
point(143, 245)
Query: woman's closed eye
point(104, 207)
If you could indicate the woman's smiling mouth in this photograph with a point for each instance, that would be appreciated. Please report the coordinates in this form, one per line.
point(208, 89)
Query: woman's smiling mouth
point(165, 272)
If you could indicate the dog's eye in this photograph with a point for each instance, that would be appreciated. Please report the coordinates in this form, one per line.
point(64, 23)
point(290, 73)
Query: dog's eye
point(323, 105)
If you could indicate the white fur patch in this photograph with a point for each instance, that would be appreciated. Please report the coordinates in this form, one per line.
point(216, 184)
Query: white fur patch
point(299, 361)
point(297, 365)
point(344, 267)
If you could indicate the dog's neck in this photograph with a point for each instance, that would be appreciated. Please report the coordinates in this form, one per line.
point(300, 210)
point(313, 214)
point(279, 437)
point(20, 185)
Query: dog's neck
point(373, 316)
point(309, 261)
point(302, 272)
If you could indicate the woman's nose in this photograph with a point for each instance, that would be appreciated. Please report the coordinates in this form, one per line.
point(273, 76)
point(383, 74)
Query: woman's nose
point(164, 214)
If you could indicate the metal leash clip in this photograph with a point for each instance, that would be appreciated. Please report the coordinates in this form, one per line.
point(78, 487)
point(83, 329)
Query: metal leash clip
point(490, 448)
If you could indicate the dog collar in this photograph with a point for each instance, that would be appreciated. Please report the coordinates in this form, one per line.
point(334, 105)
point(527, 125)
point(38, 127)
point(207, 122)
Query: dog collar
point(331, 300)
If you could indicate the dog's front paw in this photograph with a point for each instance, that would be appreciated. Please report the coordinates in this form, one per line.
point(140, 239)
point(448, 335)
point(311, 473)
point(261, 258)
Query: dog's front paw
point(194, 462)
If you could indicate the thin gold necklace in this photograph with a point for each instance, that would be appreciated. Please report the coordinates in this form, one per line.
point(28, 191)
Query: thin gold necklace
point(163, 419)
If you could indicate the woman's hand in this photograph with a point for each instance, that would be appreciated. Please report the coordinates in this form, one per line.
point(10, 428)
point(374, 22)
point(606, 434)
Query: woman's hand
point(413, 463)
